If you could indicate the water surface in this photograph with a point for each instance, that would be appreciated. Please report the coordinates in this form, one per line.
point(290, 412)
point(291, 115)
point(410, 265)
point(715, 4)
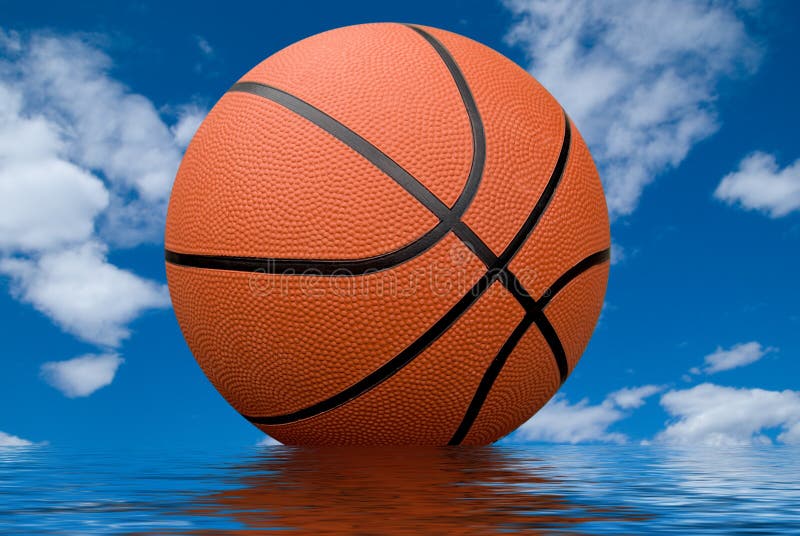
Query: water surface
point(500, 489)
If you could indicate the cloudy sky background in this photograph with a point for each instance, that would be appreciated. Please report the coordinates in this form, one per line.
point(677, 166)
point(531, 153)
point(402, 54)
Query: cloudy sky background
point(688, 108)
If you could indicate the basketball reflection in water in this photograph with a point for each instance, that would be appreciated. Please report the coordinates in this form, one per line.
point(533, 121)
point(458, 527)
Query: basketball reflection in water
point(400, 491)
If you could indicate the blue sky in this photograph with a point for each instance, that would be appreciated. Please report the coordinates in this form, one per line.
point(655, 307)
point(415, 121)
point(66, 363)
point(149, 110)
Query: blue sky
point(688, 107)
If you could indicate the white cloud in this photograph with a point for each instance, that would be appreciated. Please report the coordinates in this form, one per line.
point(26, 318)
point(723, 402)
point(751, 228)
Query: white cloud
point(760, 184)
point(83, 293)
point(714, 415)
point(8, 440)
point(45, 200)
point(81, 376)
point(10, 41)
point(85, 164)
point(204, 46)
point(633, 397)
point(738, 355)
point(562, 422)
point(791, 434)
point(189, 120)
point(47, 203)
point(638, 78)
point(617, 253)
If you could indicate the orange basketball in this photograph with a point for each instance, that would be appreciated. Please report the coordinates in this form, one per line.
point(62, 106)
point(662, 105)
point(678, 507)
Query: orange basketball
point(387, 234)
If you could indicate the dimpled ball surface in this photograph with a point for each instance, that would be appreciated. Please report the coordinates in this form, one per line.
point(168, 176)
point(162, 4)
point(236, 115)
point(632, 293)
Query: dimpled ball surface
point(387, 234)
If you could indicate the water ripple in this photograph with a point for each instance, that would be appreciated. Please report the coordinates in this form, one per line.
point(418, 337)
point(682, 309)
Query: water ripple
point(534, 488)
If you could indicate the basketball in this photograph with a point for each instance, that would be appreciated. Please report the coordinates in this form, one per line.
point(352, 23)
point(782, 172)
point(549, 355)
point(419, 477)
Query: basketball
point(387, 234)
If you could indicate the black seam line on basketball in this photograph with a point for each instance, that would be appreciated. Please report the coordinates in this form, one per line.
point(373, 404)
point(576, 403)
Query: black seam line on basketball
point(592, 260)
point(475, 121)
point(514, 286)
point(475, 244)
point(346, 267)
point(316, 267)
point(489, 378)
point(391, 367)
point(551, 337)
point(534, 314)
